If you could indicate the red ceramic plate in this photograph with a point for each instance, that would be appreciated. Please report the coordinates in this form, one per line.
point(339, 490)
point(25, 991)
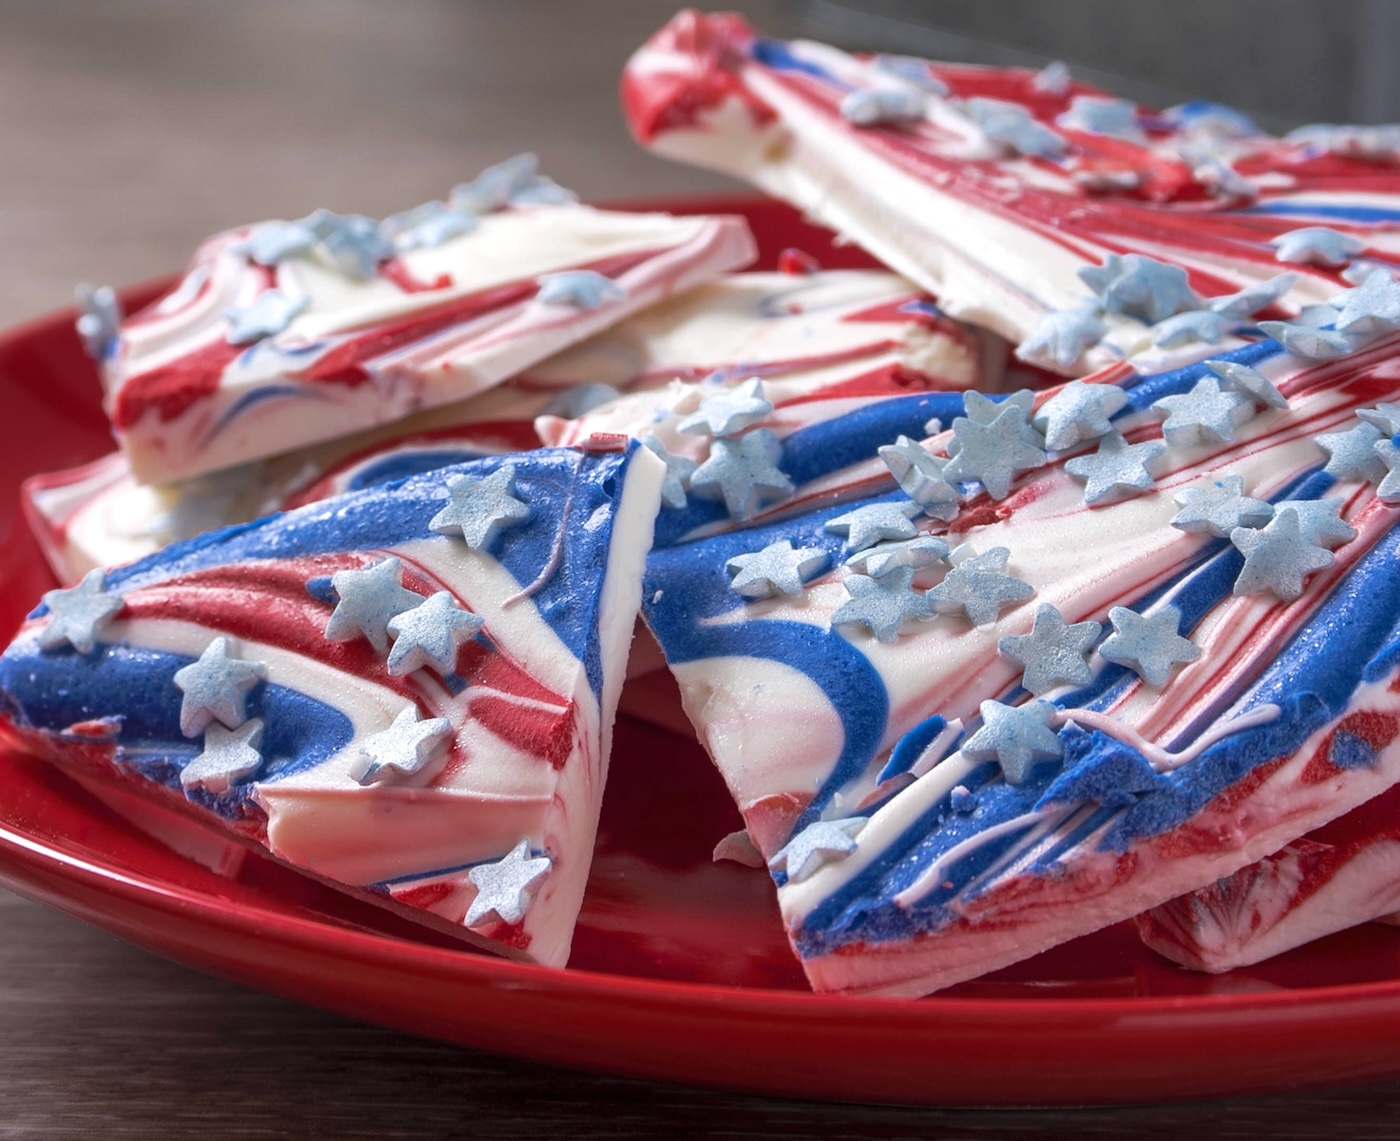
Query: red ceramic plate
point(680, 968)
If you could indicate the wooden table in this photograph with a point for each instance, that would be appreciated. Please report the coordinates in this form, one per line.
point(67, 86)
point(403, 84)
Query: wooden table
point(127, 133)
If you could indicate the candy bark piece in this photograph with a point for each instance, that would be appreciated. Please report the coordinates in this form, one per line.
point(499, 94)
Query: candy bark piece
point(424, 327)
point(1157, 785)
point(997, 196)
point(302, 738)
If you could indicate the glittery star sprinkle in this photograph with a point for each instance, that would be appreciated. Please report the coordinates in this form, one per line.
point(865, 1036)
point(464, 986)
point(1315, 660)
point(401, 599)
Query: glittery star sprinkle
point(993, 453)
point(230, 757)
point(1118, 468)
point(99, 318)
point(982, 409)
point(883, 604)
point(920, 476)
point(1389, 489)
point(366, 600)
point(1062, 336)
point(269, 315)
point(979, 587)
point(728, 412)
point(1148, 644)
point(480, 509)
point(743, 471)
point(353, 242)
point(777, 569)
point(1052, 79)
point(868, 525)
point(1386, 417)
point(877, 106)
point(579, 289)
point(78, 614)
point(401, 750)
point(911, 70)
point(1015, 737)
point(1352, 454)
point(1053, 653)
point(1205, 415)
point(817, 844)
point(427, 226)
point(1193, 325)
point(917, 553)
point(506, 887)
point(1236, 377)
point(1219, 507)
point(1277, 557)
point(1140, 286)
point(1102, 115)
point(1251, 299)
point(1078, 412)
point(1372, 307)
point(1316, 245)
point(215, 688)
point(1217, 175)
point(271, 242)
point(1319, 521)
point(429, 635)
point(679, 469)
point(514, 182)
point(1011, 125)
point(1309, 341)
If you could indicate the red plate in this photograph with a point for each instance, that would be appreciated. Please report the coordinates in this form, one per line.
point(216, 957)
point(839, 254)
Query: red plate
point(680, 967)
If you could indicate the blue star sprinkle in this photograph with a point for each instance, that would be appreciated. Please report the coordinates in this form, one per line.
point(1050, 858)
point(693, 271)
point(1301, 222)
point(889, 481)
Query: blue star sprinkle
point(403, 749)
point(480, 509)
point(215, 688)
point(1237, 377)
point(514, 182)
point(1148, 644)
point(506, 888)
point(1216, 175)
point(99, 319)
point(1052, 79)
point(366, 600)
point(878, 106)
point(729, 412)
point(1063, 336)
point(983, 410)
point(1011, 125)
point(1205, 415)
point(1316, 245)
point(579, 289)
point(979, 587)
point(229, 758)
point(1352, 454)
point(1015, 737)
point(1202, 325)
point(1053, 653)
point(868, 525)
point(272, 242)
point(1319, 521)
point(427, 226)
point(1078, 412)
point(78, 615)
point(1309, 341)
point(777, 569)
point(1117, 469)
point(1219, 507)
point(269, 315)
point(993, 453)
point(1277, 557)
point(1386, 417)
point(1251, 299)
point(884, 604)
point(1372, 307)
point(920, 477)
point(743, 472)
point(817, 844)
point(354, 243)
point(1140, 286)
point(1102, 115)
point(911, 70)
point(679, 469)
point(429, 635)
point(1389, 489)
point(916, 553)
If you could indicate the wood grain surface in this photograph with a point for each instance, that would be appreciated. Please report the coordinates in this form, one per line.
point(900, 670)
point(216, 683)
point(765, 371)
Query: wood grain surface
point(128, 132)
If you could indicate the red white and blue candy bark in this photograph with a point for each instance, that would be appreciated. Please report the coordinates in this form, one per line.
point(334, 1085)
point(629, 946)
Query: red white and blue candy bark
point(406, 691)
point(1100, 644)
point(285, 334)
point(996, 189)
